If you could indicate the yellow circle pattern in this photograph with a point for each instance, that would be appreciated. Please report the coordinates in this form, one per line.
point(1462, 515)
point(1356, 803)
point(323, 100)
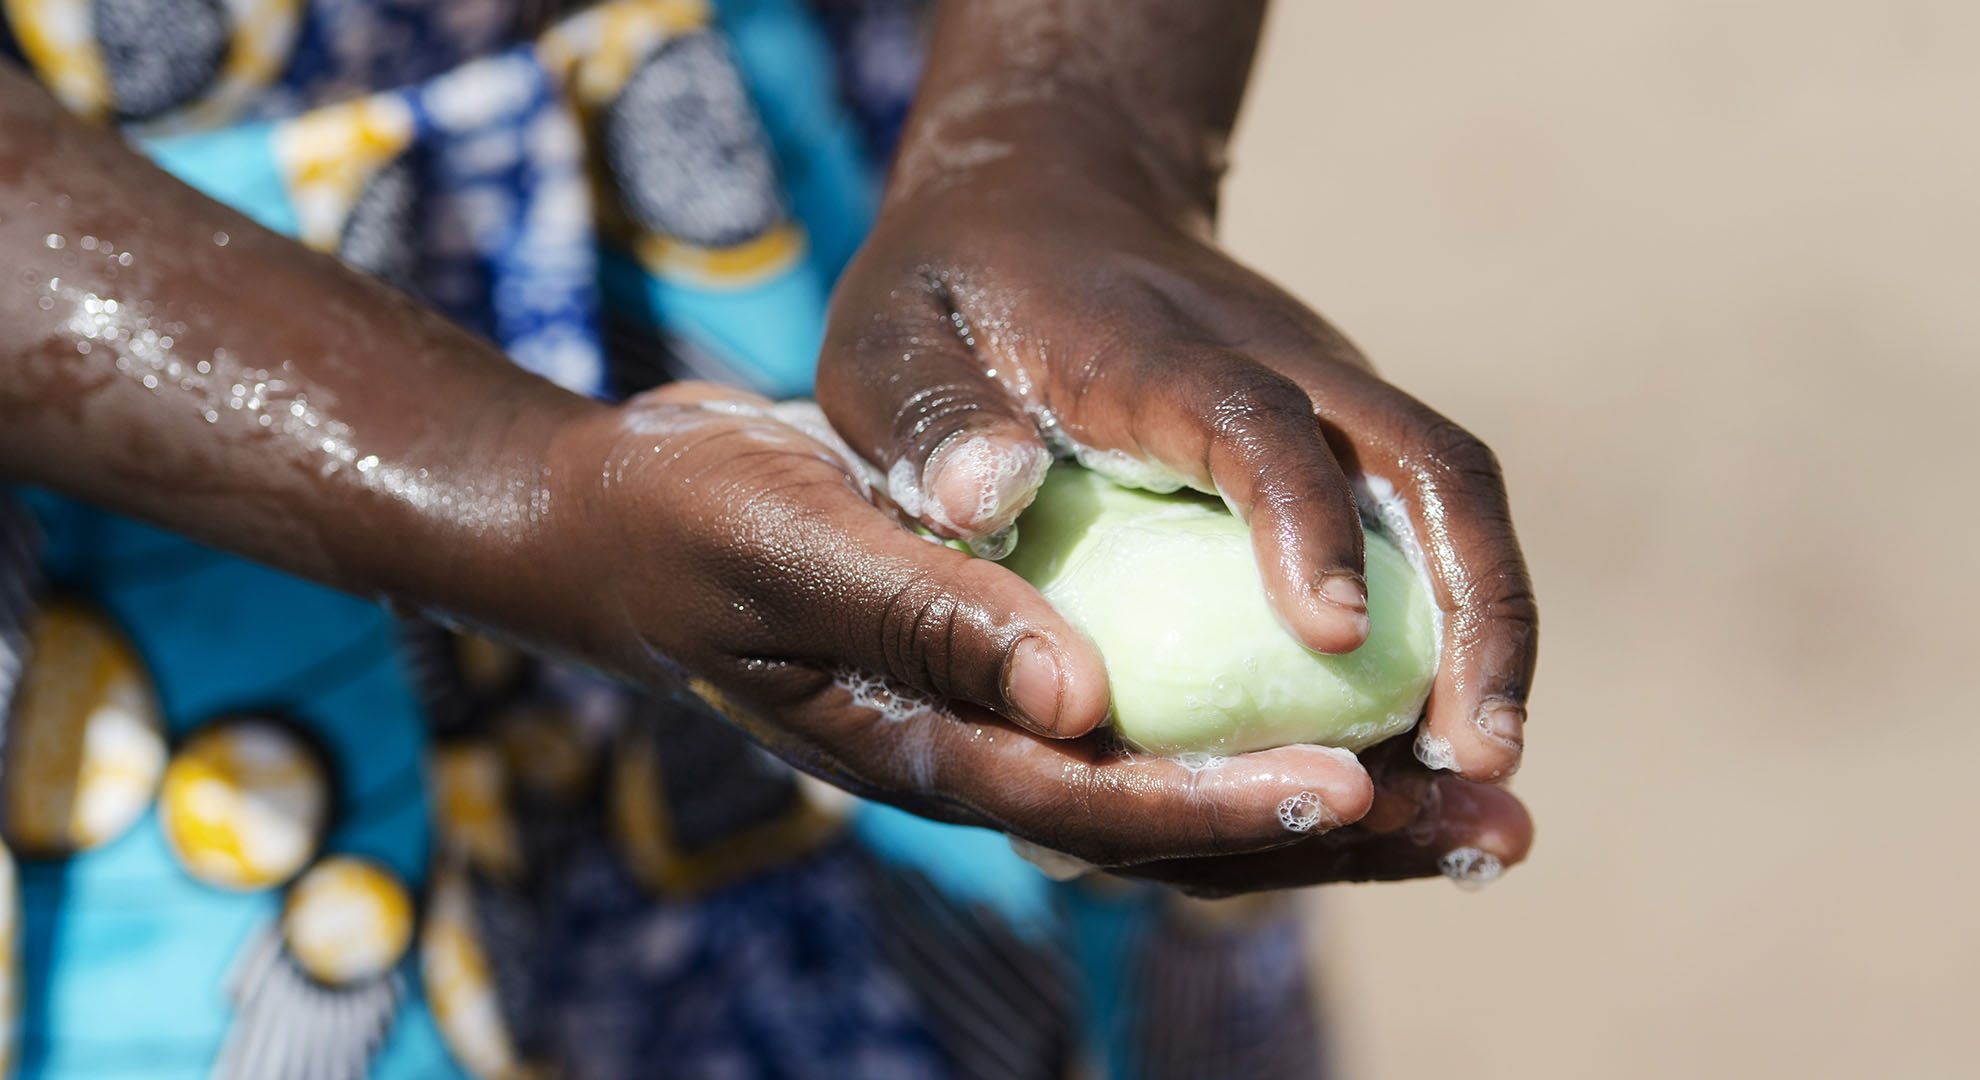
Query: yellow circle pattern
point(347, 920)
point(86, 741)
point(460, 985)
point(245, 804)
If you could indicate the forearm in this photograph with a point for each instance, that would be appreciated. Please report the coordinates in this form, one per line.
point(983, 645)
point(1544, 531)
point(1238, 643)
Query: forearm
point(1158, 80)
point(162, 356)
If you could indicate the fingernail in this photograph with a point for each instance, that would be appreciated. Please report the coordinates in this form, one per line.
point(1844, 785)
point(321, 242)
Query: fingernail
point(1503, 722)
point(1345, 591)
point(977, 481)
point(1033, 685)
point(1342, 599)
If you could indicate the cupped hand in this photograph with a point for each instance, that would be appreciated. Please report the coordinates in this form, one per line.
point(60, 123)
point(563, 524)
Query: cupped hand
point(1063, 295)
point(727, 546)
point(1422, 823)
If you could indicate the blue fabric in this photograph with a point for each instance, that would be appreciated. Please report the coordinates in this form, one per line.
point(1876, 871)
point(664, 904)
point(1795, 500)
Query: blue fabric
point(110, 933)
point(778, 978)
point(233, 166)
point(974, 866)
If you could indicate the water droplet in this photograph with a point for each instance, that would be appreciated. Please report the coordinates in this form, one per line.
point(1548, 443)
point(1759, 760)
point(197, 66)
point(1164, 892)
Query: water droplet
point(151, 382)
point(212, 416)
point(220, 239)
point(55, 242)
point(47, 303)
point(82, 347)
point(89, 243)
point(124, 258)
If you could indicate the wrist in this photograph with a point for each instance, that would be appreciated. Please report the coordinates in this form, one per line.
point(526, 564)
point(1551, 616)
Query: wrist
point(585, 553)
point(1018, 127)
point(1145, 94)
point(475, 519)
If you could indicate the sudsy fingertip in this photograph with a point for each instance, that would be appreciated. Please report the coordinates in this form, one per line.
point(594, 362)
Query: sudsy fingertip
point(1470, 868)
point(1435, 751)
point(979, 484)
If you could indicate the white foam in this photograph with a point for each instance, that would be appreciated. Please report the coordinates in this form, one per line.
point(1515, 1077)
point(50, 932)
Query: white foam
point(1005, 478)
point(1469, 868)
point(1304, 812)
point(1383, 508)
point(1120, 467)
point(892, 700)
point(798, 426)
point(904, 487)
point(1196, 763)
point(806, 416)
point(1389, 511)
point(1434, 751)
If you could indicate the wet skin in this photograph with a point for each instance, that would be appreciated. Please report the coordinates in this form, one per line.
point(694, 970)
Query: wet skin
point(162, 356)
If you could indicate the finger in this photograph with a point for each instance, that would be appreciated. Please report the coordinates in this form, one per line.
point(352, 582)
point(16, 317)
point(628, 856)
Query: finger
point(1228, 424)
point(877, 599)
point(1465, 831)
point(702, 392)
point(1088, 798)
point(909, 391)
point(1450, 495)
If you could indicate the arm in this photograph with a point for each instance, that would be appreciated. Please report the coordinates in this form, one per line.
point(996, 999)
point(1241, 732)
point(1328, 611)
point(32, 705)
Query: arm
point(165, 357)
point(1043, 276)
point(1154, 85)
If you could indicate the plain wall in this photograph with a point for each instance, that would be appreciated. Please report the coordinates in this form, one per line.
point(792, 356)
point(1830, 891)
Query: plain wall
point(1707, 276)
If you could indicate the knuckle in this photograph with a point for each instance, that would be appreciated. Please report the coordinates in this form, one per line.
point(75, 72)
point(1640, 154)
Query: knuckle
point(930, 415)
point(1448, 452)
point(1513, 602)
point(918, 625)
point(1240, 395)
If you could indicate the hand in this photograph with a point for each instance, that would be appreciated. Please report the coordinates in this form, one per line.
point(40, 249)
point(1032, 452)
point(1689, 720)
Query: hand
point(709, 539)
point(1059, 287)
point(1422, 823)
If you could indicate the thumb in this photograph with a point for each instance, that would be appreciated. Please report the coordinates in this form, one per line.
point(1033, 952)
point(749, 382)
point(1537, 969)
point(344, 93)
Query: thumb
point(938, 620)
point(911, 393)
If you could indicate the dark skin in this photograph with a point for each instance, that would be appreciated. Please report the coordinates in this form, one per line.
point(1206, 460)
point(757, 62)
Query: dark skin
point(375, 447)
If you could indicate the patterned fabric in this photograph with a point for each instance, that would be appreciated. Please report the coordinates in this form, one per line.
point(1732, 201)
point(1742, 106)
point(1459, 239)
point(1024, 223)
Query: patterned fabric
point(879, 47)
point(322, 841)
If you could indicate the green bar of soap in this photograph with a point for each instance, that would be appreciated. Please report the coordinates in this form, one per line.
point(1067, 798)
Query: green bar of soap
point(1167, 587)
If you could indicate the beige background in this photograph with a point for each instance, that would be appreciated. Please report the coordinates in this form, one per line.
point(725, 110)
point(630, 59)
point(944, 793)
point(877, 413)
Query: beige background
point(1707, 276)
